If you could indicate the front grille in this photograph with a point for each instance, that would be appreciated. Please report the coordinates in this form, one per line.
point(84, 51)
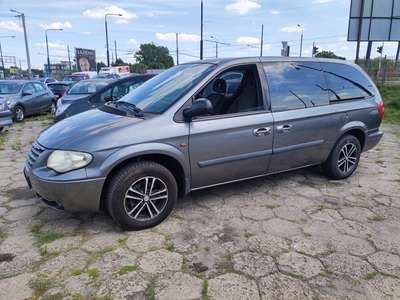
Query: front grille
point(34, 152)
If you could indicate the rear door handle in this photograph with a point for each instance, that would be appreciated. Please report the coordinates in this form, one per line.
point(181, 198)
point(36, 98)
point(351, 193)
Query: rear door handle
point(262, 131)
point(283, 128)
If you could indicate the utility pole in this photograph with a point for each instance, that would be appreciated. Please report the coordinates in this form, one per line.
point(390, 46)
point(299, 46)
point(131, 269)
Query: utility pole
point(26, 42)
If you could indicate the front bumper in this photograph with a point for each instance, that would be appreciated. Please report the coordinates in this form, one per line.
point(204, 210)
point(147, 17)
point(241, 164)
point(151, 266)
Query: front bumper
point(82, 195)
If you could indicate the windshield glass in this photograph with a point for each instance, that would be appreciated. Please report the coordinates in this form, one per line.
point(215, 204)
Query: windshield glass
point(87, 87)
point(157, 94)
point(10, 87)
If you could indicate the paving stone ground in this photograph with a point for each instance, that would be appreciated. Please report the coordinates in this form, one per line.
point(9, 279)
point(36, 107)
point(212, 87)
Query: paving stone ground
point(295, 235)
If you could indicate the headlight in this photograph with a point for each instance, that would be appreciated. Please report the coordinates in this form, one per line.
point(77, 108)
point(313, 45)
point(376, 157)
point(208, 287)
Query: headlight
point(64, 161)
point(61, 108)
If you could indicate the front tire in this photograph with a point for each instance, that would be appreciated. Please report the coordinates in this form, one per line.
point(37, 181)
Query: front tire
point(141, 195)
point(53, 107)
point(344, 157)
point(19, 114)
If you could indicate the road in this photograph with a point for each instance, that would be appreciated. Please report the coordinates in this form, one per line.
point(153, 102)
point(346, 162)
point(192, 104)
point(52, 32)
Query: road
point(296, 235)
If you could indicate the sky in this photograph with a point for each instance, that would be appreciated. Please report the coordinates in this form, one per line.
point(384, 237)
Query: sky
point(231, 28)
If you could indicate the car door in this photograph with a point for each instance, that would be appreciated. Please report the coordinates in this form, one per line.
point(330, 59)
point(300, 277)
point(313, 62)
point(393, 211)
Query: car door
point(231, 146)
point(43, 96)
point(29, 98)
point(301, 113)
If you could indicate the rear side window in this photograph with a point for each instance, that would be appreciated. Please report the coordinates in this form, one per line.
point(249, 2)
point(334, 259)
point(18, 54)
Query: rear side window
point(346, 82)
point(295, 85)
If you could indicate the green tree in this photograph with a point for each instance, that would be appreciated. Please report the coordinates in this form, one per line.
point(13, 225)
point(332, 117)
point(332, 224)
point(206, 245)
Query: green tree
point(155, 57)
point(329, 54)
point(100, 65)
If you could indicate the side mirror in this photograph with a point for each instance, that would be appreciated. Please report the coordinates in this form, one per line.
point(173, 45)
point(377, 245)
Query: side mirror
point(201, 107)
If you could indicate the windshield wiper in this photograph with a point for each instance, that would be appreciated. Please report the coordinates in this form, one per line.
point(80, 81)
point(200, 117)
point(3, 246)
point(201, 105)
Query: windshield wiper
point(136, 111)
point(122, 108)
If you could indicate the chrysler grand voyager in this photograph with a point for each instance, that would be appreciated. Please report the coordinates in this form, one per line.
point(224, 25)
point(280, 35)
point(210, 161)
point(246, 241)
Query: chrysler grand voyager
point(180, 131)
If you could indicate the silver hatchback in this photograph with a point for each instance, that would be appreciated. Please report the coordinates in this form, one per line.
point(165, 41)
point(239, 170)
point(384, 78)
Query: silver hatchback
point(181, 131)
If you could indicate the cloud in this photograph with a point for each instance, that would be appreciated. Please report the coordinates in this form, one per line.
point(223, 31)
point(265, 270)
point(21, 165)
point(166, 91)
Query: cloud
point(274, 12)
point(85, 32)
point(51, 45)
point(182, 37)
point(132, 41)
point(10, 26)
point(242, 7)
point(247, 40)
point(290, 29)
point(56, 25)
point(323, 1)
point(100, 13)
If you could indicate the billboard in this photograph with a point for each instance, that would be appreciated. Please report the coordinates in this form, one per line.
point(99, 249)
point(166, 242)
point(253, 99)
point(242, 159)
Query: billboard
point(85, 60)
point(374, 20)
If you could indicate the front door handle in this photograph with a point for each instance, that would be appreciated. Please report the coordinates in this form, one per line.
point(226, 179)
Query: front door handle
point(262, 131)
point(283, 128)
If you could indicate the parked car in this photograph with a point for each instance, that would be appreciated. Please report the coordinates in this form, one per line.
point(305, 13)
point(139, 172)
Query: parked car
point(60, 88)
point(27, 97)
point(75, 77)
point(78, 100)
point(166, 138)
point(5, 114)
point(46, 80)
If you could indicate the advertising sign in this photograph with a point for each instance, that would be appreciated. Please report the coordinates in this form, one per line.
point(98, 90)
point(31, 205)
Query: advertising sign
point(85, 60)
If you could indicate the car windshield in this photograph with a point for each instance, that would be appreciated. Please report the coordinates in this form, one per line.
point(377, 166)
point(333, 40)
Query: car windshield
point(72, 78)
point(10, 87)
point(157, 94)
point(87, 87)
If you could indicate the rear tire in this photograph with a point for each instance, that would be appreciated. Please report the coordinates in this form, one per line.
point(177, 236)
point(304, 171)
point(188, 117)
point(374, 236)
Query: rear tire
point(141, 195)
point(344, 157)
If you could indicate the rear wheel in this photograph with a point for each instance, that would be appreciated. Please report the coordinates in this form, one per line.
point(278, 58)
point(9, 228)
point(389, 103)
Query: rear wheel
point(19, 114)
point(344, 157)
point(141, 195)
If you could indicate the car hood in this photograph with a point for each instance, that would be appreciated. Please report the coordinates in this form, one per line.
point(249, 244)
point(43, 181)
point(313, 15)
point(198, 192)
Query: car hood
point(82, 130)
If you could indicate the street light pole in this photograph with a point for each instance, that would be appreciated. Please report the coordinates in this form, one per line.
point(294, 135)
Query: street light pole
point(26, 42)
point(105, 21)
point(1, 53)
point(47, 47)
point(301, 42)
point(216, 46)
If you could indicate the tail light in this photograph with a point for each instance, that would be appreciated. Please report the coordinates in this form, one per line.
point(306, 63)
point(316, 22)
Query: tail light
point(381, 109)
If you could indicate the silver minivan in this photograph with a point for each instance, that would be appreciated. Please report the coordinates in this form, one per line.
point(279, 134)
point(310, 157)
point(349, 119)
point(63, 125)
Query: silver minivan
point(180, 131)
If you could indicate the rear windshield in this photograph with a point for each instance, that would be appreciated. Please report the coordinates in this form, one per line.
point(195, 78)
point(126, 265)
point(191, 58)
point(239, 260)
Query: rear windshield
point(10, 87)
point(58, 87)
point(160, 92)
point(87, 87)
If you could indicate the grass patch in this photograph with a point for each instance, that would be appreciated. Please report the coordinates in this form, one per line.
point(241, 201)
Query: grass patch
point(376, 218)
point(39, 286)
point(298, 276)
point(371, 276)
point(16, 145)
point(150, 291)
point(92, 272)
point(204, 295)
point(126, 269)
point(390, 95)
point(45, 237)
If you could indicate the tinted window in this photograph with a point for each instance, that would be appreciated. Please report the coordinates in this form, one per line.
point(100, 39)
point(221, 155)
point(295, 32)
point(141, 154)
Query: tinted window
point(39, 87)
point(346, 82)
point(29, 88)
point(296, 85)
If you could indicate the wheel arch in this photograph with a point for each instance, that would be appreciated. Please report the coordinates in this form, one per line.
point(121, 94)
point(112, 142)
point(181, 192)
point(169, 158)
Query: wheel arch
point(169, 162)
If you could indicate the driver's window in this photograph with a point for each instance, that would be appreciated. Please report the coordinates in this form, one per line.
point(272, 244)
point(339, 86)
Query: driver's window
point(105, 96)
point(29, 88)
point(234, 91)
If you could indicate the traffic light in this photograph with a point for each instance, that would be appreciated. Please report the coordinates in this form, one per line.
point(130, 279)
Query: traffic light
point(314, 50)
point(379, 49)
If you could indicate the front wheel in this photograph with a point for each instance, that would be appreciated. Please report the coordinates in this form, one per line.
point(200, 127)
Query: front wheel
point(141, 195)
point(344, 157)
point(53, 107)
point(19, 114)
